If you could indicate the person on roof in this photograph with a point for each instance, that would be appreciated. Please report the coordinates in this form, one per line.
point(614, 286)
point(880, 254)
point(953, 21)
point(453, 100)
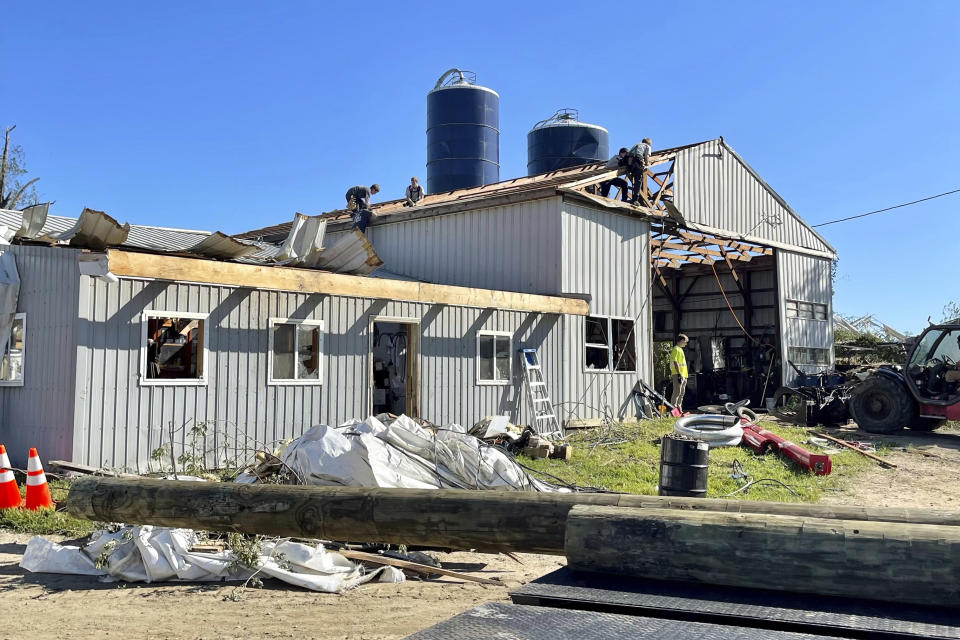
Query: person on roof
point(635, 162)
point(359, 197)
point(358, 203)
point(414, 193)
point(618, 182)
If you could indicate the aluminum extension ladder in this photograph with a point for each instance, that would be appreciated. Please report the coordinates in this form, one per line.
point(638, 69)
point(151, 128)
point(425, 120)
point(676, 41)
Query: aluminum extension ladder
point(545, 422)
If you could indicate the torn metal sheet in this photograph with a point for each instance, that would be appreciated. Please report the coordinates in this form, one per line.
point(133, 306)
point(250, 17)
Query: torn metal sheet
point(222, 246)
point(352, 253)
point(304, 242)
point(32, 220)
point(93, 230)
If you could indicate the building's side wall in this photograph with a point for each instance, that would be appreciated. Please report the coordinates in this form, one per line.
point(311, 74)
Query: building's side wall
point(807, 279)
point(119, 422)
point(510, 248)
point(40, 413)
point(606, 256)
point(714, 187)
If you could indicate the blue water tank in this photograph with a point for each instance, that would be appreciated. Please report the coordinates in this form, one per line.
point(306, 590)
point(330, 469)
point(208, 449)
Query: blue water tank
point(563, 141)
point(463, 133)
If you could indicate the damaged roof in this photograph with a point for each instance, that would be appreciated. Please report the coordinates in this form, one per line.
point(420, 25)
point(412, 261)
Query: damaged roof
point(95, 230)
point(527, 187)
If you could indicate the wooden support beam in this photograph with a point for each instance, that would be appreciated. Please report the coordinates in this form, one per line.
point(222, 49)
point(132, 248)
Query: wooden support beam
point(483, 520)
point(708, 240)
point(693, 247)
point(173, 268)
point(893, 562)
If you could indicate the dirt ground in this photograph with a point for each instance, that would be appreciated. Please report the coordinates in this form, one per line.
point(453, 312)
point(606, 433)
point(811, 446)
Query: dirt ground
point(44, 607)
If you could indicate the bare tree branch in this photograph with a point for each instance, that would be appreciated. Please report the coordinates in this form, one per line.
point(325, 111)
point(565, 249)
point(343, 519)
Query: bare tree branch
point(11, 203)
point(3, 163)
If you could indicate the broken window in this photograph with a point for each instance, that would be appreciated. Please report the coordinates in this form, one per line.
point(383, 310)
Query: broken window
point(175, 347)
point(493, 357)
point(806, 310)
point(11, 366)
point(624, 351)
point(296, 351)
point(609, 344)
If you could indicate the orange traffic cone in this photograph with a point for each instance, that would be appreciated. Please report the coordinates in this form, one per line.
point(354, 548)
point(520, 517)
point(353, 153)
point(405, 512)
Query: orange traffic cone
point(9, 493)
point(38, 493)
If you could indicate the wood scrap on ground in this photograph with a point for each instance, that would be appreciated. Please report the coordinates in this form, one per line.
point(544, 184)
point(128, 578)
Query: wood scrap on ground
point(416, 567)
point(844, 443)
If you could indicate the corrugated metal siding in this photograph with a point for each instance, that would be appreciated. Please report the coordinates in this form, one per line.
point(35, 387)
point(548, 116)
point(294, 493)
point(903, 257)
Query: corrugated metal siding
point(119, 422)
point(40, 413)
point(607, 256)
point(509, 248)
point(808, 279)
point(713, 187)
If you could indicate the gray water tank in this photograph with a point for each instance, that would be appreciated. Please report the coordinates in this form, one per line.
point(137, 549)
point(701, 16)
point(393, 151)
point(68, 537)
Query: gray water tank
point(563, 141)
point(463, 133)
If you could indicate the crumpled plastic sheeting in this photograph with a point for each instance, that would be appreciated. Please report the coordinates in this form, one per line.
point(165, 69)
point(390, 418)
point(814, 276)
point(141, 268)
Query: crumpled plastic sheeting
point(403, 455)
point(161, 554)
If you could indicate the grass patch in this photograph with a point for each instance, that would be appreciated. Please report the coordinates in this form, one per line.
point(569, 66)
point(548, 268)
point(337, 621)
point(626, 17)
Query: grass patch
point(626, 458)
point(47, 521)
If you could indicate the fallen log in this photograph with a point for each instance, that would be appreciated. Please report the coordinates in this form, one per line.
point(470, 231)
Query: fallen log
point(491, 521)
point(894, 562)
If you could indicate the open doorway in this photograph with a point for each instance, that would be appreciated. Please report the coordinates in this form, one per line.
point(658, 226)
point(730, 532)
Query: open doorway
point(394, 366)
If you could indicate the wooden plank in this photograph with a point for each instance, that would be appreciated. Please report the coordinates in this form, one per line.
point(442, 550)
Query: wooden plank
point(416, 567)
point(161, 267)
point(482, 520)
point(844, 443)
point(893, 562)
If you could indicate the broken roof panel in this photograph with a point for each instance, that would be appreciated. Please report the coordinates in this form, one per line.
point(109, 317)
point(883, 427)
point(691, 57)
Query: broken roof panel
point(96, 230)
point(350, 253)
point(92, 230)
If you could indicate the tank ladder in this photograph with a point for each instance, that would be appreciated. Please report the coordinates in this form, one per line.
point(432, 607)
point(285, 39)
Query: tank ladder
point(545, 422)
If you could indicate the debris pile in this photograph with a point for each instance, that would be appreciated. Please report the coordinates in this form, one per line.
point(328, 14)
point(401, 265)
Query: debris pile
point(397, 454)
point(160, 554)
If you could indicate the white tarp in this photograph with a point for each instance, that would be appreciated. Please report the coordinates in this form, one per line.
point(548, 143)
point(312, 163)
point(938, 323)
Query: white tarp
point(404, 454)
point(161, 554)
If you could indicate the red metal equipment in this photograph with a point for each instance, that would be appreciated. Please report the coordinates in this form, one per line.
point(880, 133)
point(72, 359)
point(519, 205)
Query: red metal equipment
point(761, 441)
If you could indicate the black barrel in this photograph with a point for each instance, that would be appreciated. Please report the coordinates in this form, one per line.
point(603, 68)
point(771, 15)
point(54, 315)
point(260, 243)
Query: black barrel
point(683, 467)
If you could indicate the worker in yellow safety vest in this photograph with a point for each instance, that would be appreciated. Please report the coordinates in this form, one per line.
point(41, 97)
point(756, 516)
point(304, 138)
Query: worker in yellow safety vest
point(678, 369)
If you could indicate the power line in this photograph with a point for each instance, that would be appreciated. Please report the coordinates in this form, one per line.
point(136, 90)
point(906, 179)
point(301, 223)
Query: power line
point(896, 206)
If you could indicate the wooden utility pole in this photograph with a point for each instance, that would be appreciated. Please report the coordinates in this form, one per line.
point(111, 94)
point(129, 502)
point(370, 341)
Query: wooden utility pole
point(890, 561)
point(484, 520)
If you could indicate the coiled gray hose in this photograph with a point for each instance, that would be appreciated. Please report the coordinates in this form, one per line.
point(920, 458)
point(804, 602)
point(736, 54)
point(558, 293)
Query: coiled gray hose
point(715, 430)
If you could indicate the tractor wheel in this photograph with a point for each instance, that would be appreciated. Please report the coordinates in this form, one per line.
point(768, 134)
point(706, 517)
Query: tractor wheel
point(926, 424)
point(790, 406)
point(881, 405)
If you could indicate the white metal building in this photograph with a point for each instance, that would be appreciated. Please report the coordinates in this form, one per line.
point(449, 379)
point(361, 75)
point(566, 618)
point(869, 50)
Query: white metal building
point(126, 334)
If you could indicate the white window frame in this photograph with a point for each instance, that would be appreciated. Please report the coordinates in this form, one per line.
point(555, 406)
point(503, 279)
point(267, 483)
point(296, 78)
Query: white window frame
point(496, 382)
point(792, 309)
point(22, 317)
point(205, 356)
point(825, 350)
point(321, 363)
point(611, 365)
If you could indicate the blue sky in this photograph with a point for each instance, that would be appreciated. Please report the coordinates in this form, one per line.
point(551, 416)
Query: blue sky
point(234, 115)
